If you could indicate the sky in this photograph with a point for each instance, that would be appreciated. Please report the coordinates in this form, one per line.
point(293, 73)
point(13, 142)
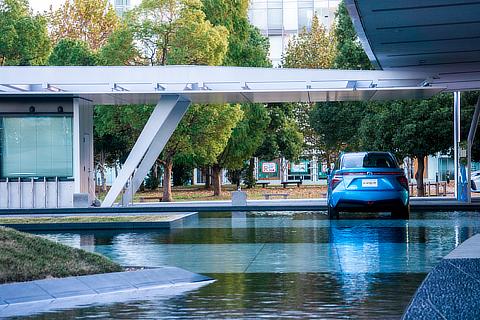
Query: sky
point(42, 5)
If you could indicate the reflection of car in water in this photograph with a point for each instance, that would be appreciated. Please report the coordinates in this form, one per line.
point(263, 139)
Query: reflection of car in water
point(368, 181)
point(475, 181)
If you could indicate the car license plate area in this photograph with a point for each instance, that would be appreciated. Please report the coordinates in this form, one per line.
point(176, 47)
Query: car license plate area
point(370, 183)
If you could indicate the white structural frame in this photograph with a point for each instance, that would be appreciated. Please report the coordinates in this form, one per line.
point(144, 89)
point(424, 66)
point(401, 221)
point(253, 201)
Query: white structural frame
point(173, 88)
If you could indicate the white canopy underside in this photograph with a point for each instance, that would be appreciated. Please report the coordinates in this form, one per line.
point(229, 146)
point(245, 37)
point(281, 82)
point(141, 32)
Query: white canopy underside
point(204, 84)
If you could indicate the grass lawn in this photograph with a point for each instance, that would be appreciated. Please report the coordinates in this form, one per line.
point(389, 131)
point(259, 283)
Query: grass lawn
point(25, 257)
point(199, 193)
point(89, 219)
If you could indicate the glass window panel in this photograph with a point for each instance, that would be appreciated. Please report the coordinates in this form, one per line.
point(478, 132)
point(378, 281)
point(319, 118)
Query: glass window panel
point(36, 146)
point(275, 19)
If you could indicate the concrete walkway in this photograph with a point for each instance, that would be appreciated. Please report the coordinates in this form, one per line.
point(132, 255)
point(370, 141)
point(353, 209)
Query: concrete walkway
point(452, 288)
point(25, 298)
point(320, 204)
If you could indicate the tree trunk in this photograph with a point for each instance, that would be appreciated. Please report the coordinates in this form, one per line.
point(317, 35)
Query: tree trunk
point(167, 181)
point(419, 176)
point(207, 178)
point(102, 171)
point(217, 180)
point(252, 181)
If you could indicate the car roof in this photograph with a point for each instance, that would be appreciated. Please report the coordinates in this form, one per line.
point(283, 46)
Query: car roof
point(366, 152)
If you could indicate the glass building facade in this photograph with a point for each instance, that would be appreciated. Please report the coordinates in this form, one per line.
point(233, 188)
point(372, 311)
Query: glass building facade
point(36, 146)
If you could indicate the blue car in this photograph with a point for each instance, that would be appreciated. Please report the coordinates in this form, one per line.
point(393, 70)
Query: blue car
point(369, 182)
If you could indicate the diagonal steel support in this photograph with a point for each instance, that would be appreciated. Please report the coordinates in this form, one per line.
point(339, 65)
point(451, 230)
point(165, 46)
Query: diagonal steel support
point(160, 126)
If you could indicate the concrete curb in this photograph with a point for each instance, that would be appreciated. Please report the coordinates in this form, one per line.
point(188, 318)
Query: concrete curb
point(451, 289)
point(175, 223)
point(320, 204)
point(43, 295)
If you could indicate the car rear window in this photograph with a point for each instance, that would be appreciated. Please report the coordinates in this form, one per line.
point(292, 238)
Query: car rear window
point(369, 160)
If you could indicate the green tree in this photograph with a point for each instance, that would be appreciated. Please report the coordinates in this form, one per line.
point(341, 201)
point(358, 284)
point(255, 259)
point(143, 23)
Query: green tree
point(337, 125)
point(311, 49)
point(23, 36)
point(350, 54)
point(282, 139)
point(415, 129)
point(244, 141)
point(119, 50)
point(247, 47)
point(91, 21)
point(176, 32)
point(69, 52)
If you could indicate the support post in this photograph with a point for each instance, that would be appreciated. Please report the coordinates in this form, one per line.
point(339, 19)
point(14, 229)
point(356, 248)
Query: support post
point(158, 129)
point(159, 141)
point(456, 141)
point(471, 138)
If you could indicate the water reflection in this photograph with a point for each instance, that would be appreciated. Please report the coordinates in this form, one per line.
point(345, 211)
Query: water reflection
point(296, 265)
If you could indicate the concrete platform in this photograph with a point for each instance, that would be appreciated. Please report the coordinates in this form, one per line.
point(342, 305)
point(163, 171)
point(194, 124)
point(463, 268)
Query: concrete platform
point(320, 204)
point(172, 221)
point(452, 288)
point(33, 297)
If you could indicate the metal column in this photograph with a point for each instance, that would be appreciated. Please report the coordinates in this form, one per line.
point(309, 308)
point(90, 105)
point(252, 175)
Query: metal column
point(456, 141)
point(158, 129)
point(471, 138)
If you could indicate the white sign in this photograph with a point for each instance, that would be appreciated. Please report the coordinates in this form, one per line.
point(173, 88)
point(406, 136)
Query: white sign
point(269, 167)
point(370, 183)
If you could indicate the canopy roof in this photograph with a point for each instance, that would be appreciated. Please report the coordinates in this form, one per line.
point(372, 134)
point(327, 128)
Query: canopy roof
point(439, 37)
point(204, 84)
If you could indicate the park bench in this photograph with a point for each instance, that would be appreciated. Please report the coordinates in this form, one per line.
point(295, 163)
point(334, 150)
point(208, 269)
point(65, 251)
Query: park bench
point(268, 195)
point(297, 182)
point(144, 199)
point(264, 183)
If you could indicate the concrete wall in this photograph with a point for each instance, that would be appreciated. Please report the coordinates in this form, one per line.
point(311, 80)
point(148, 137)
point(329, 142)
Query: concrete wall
point(36, 194)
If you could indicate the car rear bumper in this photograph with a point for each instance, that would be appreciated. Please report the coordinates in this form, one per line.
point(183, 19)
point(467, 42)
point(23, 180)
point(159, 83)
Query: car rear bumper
point(369, 200)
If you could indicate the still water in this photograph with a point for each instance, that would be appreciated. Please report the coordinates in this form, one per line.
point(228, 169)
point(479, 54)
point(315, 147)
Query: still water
point(284, 265)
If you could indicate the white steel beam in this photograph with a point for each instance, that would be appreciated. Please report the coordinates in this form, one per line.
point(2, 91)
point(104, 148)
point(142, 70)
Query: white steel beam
point(159, 127)
point(164, 133)
point(456, 142)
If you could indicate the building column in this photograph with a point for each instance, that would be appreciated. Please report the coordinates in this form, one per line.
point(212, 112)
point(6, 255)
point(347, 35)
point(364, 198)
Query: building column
point(83, 163)
point(157, 131)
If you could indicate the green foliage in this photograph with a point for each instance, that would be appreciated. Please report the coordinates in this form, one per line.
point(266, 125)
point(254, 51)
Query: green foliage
point(409, 128)
point(202, 134)
point(337, 124)
point(350, 54)
point(246, 137)
point(247, 47)
point(312, 49)
point(282, 139)
point(119, 49)
point(23, 37)
point(176, 32)
point(69, 52)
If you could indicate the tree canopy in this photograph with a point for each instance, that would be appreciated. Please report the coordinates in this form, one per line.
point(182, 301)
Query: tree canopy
point(176, 32)
point(311, 49)
point(23, 36)
point(91, 21)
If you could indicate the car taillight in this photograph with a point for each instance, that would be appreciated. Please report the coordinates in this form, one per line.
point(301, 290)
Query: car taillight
point(403, 181)
point(335, 181)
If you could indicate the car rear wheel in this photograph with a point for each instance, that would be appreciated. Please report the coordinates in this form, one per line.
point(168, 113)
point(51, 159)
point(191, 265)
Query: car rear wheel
point(402, 213)
point(333, 213)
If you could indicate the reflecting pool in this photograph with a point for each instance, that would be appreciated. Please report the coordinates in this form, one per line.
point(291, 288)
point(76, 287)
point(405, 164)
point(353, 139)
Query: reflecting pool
point(289, 265)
